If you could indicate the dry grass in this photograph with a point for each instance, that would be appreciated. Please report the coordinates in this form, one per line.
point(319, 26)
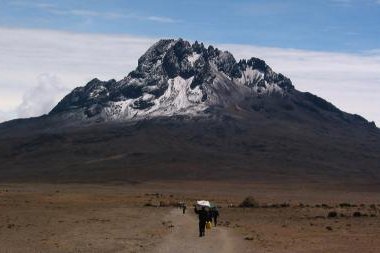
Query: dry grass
point(99, 218)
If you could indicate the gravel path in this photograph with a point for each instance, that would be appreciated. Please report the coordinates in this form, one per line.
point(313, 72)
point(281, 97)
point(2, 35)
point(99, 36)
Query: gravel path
point(184, 236)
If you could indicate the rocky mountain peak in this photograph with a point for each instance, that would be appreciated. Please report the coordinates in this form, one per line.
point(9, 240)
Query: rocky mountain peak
point(176, 77)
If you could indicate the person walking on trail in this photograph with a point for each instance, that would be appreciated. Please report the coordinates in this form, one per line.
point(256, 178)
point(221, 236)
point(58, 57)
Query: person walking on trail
point(215, 215)
point(203, 217)
point(184, 209)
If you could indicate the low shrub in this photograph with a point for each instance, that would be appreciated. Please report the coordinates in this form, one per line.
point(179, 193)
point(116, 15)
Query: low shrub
point(285, 205)
point(345, 205)
point(332, 214)
point(249, 202)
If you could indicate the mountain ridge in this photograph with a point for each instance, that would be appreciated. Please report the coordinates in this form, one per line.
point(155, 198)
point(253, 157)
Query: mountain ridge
point(177, 74)
point(175, 77)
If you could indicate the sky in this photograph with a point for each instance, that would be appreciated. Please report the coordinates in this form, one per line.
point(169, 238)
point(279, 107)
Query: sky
point(328, 47)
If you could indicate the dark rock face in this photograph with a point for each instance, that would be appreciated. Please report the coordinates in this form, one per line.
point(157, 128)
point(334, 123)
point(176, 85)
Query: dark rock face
point(84, 97)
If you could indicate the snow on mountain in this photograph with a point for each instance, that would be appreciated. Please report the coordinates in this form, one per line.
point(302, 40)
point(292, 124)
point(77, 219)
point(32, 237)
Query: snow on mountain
point(175, 77)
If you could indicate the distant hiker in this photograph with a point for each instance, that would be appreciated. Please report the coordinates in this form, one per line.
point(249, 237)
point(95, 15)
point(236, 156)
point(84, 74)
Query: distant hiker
point(203, 217)
point(184, 208)
point(209, 215)
point(215, 215)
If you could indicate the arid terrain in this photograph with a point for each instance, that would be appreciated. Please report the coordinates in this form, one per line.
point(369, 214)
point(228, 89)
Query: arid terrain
point(143, 218)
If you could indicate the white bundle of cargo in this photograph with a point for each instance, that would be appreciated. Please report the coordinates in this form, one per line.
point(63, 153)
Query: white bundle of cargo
point(204, 203)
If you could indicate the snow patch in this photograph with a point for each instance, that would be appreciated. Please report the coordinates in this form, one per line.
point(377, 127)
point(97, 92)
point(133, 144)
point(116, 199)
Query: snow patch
point(147, 97)
point(178, 99)
point(251, 77)
point(193, 58)
point(96, 92)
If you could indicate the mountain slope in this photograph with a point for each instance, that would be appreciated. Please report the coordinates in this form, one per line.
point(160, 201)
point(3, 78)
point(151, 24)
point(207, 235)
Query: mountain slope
point(187, 112)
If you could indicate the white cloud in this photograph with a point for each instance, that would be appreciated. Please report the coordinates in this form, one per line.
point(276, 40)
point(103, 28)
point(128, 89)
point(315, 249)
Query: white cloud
point(162, 19)
point(343, 3)
point(87, 13)
point(34, 60)
point(351, 2)
point(5, 116)
point(44, 96)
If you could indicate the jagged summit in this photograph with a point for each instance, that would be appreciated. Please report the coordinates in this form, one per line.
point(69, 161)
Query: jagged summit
point(175, 77)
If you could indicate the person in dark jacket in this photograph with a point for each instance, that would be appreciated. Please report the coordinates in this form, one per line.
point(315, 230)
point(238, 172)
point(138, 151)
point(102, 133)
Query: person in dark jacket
point(203, 217)
point(215, 215)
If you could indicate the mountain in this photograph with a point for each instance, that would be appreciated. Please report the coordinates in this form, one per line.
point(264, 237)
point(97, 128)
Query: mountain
point(191, 112)
point(175, 78)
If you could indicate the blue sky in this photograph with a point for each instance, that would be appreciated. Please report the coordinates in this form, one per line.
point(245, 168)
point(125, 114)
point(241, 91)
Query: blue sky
point(324, 25)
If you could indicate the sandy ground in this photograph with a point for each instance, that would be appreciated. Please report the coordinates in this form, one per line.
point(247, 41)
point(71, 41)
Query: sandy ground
point(74, 220)
point(142, 218)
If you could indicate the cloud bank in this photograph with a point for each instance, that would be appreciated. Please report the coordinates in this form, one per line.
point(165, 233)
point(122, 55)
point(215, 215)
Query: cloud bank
point(38, 67)
point(37, 99)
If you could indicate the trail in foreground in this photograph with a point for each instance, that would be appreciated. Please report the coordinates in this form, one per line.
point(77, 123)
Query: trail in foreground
point(184, 236)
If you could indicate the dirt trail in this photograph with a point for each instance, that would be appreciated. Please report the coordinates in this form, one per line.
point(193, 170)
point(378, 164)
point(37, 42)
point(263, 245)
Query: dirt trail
point(184, 236)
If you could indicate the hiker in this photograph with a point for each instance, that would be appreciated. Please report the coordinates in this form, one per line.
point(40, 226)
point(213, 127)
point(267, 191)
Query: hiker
point(184, 208)
point(215, 214)
point(203, 217)
point(210, 215)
